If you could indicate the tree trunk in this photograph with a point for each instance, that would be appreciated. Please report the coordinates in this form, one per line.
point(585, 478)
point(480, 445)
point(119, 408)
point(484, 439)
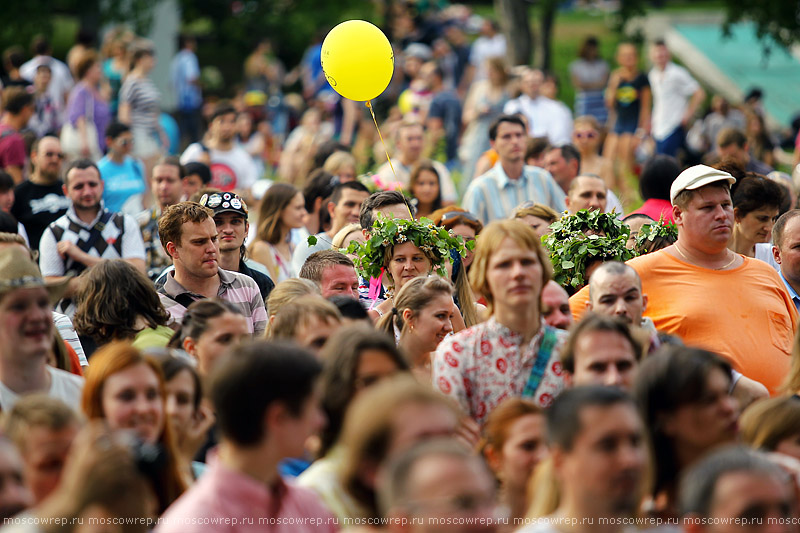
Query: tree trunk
point(513, 15)
point(546, 29)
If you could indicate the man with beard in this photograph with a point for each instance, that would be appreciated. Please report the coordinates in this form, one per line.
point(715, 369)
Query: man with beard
point(167, 189)
point(599, 455)
point(40, 200)
point(88, 233)
point(232, 168)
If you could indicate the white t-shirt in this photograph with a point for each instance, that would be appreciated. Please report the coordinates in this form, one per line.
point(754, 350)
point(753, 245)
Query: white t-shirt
point(484, 48)
point(672, 89)
point(60, 82)
point(232, 169)
point(546, 117)
point(63, 386)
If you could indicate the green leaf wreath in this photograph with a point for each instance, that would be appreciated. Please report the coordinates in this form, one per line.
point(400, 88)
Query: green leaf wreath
point(434, 240)
point(579, 239)
point(650, 233)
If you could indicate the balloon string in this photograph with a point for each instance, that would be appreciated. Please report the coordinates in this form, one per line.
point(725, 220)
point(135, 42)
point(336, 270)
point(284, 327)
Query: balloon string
point(368, 103)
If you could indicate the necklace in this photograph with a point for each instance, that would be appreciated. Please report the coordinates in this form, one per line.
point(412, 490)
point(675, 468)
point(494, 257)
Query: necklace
point(690, 261)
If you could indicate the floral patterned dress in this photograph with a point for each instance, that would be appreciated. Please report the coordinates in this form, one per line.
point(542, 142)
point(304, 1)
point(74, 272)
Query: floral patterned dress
point(481, 366)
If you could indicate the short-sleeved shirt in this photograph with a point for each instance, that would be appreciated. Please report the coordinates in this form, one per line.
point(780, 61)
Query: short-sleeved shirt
point(12, 148)
point(230, 169)
point(63, 386)
point(36, 206)
point(494, 195)
point(628, 98)
point(145, 101)
point(446, 106)
point(122, 184)
point(238, 289)
point(185, 71)
point(745, 314)
point(672, 88)
point(481, 366)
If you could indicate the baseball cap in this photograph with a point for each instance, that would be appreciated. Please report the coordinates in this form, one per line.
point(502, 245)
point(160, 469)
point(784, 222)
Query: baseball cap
point(224, 202)
point(695, 177)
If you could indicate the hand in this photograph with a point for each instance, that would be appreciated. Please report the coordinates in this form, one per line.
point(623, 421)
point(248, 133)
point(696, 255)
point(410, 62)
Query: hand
point(468, 432)
point(68, 249)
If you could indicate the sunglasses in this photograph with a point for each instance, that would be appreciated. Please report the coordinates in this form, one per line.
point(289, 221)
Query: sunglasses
point(452, 215)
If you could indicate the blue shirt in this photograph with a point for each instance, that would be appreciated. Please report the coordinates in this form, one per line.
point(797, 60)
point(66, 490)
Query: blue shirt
point(121, 182)
point(792, 292)
point(494, 195)
point(186, 70)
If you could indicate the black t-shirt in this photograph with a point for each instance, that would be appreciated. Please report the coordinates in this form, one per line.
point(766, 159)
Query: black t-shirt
point(37, 206)
point(265, 284)
point(627, 99)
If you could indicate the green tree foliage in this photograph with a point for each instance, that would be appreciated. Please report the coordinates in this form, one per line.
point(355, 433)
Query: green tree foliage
point(229, 30)
point(26, 18)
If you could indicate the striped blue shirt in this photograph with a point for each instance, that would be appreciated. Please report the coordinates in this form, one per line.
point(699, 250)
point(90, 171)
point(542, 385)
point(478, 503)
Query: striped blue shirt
point(494, 195)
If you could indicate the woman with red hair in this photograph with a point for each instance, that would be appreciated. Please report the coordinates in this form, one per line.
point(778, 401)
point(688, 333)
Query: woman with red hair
point(126, 389)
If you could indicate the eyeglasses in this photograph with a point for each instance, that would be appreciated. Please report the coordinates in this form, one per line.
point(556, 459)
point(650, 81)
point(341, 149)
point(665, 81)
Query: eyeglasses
point(452, 215)
point(54, 154)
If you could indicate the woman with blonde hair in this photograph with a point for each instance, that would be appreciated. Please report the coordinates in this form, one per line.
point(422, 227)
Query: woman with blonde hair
point(342, 165)
point(537, 216)
point(346, 235)
point(420, 319)
point(773, 425)
point(514, 353)
point(282, 210)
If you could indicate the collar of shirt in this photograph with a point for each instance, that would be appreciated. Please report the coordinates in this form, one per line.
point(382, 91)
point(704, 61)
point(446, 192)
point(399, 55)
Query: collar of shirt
point(243, 489)
point(173, 288)
point(504, 181)
point(73, 216)
point(792, 292)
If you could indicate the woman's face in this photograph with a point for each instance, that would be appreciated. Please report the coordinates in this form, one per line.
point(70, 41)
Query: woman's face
point(294, 214)
point(181, 393)
point(756, 226)
point(426, 189)
point(539, 225)
point(432, 323)
point(347, 173)
point(524, 447)
point(94, 74)
point(585, 137)
point(707, 421)
point(373, 366)
point(147, 62)
point(789, 446)
point(407, 263)
point(225, 330)
point(468, 234)
point(131, 399)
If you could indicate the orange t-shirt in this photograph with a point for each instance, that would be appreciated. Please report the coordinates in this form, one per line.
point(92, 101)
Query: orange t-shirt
point(744, 314)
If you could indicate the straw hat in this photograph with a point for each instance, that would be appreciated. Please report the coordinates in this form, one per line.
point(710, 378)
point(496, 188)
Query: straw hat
point(18, 271)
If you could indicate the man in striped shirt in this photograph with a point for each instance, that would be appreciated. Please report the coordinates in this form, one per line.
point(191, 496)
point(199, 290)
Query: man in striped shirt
point(189, 235)
point(510, 182)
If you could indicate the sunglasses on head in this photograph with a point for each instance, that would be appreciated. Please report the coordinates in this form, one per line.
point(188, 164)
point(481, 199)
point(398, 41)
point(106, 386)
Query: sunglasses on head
point(452, 215)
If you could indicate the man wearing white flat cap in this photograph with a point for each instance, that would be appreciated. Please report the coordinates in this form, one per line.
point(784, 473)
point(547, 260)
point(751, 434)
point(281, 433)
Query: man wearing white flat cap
point(712, 297)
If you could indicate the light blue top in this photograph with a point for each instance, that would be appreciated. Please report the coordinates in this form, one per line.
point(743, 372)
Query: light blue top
point(121, 182)
point(494, 195)
point(792, 292)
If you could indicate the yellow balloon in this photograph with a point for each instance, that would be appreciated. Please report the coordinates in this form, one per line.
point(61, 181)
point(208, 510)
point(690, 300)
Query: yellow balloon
point(358, 60)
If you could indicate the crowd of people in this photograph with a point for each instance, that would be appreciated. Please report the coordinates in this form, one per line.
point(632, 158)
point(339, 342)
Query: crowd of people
point(245, 318)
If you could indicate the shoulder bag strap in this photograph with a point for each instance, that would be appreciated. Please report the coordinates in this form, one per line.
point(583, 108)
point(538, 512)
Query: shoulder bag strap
point(549, 340)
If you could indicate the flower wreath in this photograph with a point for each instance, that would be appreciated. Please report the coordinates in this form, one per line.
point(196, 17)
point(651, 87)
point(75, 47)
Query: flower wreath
point(435, 241)
point(654, 230)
